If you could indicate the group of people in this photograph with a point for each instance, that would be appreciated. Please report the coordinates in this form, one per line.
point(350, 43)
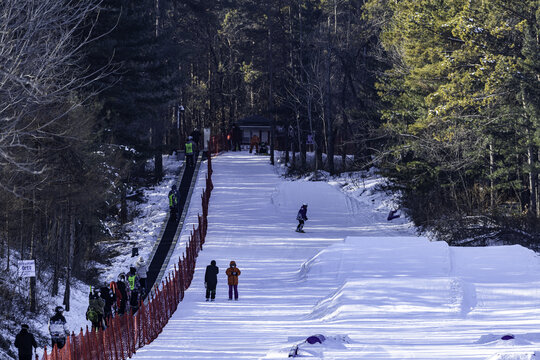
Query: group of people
point(210, 280)
point(118, 297)
point(26, 344)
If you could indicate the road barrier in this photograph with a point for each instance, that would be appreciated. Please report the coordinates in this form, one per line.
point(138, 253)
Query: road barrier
point(125, 334)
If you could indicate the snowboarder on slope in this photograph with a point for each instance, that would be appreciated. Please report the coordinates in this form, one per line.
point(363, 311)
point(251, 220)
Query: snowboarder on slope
point(210, 280)
point(301, 217)
point(232, 279)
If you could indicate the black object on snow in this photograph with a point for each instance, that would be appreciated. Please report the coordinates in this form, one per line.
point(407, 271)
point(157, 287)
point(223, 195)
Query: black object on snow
point(507, 337)
point(315, 339)
point(294, 351)
point(134, 252)
point(392, 215)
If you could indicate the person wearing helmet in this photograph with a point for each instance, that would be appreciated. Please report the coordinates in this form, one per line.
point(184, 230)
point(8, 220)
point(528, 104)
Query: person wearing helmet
point(190, 148)
point(301, 217)
point(173, 203)
point(58, 328)
point(232, 279)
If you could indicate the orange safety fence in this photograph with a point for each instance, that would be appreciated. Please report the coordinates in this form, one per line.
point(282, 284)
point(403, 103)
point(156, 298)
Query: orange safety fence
point(127, 333)
point(217, 144)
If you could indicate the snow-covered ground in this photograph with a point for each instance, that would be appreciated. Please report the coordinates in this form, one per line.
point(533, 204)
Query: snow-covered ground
point(370, 286)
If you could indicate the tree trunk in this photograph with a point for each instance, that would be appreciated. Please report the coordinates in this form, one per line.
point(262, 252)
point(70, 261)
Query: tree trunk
point(6, 234)
point(532, 158)
point(270, 87)
point(32, 293)
point(328, 115)
point(123, 204)
point(491, 181)
point(67, 292)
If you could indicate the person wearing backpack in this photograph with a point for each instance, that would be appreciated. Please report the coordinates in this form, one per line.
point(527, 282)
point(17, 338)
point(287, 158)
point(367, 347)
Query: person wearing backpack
point(301, 217)
point(95, 310)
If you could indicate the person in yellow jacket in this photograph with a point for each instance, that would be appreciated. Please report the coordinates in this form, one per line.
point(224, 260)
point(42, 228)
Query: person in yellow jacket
point(232, 279)
point(190, 148)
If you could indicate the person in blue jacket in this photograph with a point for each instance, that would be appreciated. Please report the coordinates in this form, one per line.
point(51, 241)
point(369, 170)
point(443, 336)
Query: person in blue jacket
point(301, 217)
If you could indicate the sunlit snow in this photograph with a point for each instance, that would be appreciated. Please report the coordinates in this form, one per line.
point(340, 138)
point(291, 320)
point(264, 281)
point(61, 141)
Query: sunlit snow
point(372, 287)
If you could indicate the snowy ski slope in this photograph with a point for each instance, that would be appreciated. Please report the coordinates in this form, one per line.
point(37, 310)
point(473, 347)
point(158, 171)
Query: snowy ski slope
point(371, 287)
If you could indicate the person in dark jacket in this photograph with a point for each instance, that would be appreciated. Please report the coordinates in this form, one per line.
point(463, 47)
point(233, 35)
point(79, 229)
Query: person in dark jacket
point(301, 217)
point(232, 279)
point(122, 288)
point(108, 295)
point(237, 137)
point(210, 280)
point(25, 341)
point(58, 328)
point(196, 136)
point(173, 202)
point(95, 310)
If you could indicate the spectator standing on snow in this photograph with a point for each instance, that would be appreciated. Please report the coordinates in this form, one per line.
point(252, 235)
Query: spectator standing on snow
point(190, 149)
point(210, 280)
point(124, 295)
point(254, 143)
point(134, 289)
point(301, 217)
point(110, 298)
point(173, 202)
point(113, 287)
point(237, 138)
point(95, 310)
point(58, 328)
point(196, 136)
point(25, 341)
point(142, 272)
point(232, 279)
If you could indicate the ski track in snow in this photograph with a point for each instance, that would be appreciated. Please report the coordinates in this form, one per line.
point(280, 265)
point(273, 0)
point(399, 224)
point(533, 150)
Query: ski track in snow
point(372, 287)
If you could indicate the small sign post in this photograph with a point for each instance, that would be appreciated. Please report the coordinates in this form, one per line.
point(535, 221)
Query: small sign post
point(27, 268)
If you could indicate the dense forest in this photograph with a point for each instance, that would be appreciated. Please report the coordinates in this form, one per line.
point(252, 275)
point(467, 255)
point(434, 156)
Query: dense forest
point(440, 96)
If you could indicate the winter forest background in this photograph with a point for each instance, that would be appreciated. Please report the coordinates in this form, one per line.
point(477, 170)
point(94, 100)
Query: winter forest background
point(441, 96)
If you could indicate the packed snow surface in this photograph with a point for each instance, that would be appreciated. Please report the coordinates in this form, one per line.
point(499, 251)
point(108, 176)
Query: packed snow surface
point(371, 287)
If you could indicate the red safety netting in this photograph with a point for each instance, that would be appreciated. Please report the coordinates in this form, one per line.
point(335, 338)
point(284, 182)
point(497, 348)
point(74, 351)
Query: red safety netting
point(125, 334)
